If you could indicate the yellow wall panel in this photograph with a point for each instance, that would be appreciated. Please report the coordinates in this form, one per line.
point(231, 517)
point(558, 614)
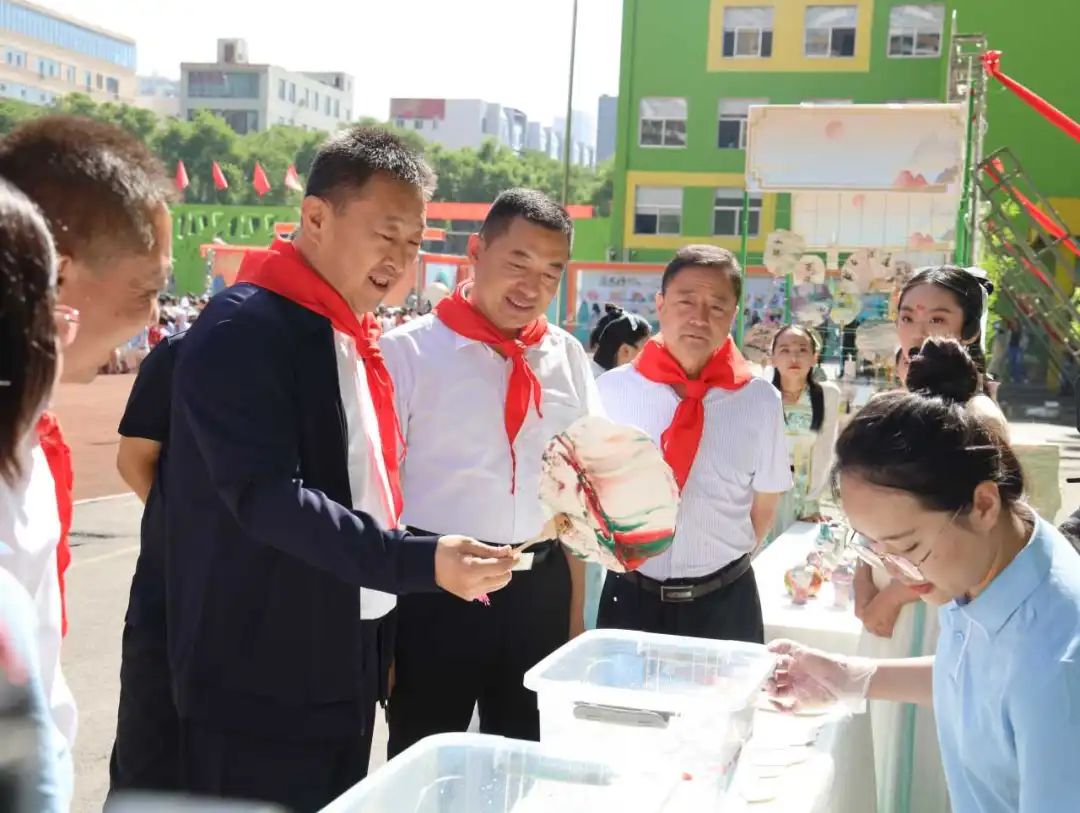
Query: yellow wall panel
point(789, 23)
point(735, 180)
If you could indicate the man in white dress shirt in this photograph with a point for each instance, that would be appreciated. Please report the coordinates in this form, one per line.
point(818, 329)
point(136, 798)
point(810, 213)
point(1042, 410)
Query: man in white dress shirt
point(722, 431)
point(482, 384)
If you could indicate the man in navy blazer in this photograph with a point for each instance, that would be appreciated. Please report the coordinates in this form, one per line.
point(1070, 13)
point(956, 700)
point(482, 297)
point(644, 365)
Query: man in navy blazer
point(266, 550)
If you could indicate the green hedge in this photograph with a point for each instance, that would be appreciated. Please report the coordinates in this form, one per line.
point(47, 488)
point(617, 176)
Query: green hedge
point(196, 224)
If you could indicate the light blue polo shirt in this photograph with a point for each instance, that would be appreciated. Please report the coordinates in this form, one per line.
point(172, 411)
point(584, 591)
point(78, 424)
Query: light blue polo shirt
point(1007, 686)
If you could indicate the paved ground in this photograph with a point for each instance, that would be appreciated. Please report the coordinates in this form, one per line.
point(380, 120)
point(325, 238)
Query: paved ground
point(89, 415)
point(106, 546)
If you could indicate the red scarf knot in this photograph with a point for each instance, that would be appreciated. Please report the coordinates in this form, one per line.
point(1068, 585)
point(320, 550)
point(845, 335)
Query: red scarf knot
point(523, 390)
point(284, 271)
point(726, 369)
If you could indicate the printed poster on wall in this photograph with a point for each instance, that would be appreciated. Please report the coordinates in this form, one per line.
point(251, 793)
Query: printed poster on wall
point(442, 273)
point(634, 292)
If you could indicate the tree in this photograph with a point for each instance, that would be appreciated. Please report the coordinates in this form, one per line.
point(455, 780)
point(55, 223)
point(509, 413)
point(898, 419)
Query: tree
point(14, 112)
point(467, 175)
point(141, 123)
point(198, 143)
point(603, 188)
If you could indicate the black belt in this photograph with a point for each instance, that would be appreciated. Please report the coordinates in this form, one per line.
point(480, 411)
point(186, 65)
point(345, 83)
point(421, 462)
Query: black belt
point(540, 551)
point(680, 591)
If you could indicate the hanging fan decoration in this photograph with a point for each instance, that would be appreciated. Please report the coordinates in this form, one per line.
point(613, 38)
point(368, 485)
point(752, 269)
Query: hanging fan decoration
point(757, 342)
point(897, 272)
point(862, 268)
point(809, 268)
point(847, 303)
point(876, 342)
point(783, 249)
point(812, 304)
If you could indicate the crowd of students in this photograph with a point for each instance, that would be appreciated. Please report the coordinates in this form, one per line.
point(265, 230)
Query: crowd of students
point(326, 499)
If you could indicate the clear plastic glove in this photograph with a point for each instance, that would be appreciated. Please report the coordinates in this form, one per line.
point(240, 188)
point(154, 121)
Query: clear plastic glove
point(806, 679)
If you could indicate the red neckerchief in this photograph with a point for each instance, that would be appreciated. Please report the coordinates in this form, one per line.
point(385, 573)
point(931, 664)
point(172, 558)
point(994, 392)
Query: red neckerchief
point(727, 369)
point(284, 271)
point(462, 317)
point(58, 456)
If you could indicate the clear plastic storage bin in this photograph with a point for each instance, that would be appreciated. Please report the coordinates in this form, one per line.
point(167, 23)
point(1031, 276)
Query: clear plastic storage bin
point(477, 773)
point(677, 705)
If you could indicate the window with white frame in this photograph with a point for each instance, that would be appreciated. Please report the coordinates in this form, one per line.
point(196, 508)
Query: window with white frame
point(658, 210)
point(727, 213)
point(731, 122)
point(830, 31)
point(662, 122)
point(916, 30)
point(748, 31)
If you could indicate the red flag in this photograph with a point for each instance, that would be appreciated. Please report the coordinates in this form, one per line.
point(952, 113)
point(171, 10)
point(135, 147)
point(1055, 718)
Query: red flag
point(182, 181)
point(260, 181)
point(292, 179)
point(219, 178)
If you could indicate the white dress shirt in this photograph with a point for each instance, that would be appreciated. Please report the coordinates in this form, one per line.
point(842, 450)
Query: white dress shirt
point(743, 450)
point(368, 481)
point(29, 535)
point(451, 395)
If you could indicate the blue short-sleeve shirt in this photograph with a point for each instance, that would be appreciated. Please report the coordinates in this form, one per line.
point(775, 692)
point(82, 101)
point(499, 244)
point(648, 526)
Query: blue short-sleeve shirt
point(1007, 686)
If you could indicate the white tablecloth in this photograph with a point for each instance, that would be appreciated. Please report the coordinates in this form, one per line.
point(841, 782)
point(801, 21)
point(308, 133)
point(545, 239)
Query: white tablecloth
point(847, 744)
point(817, 623)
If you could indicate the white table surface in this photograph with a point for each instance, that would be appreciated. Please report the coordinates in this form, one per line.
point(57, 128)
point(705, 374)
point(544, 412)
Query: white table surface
point(817, 623)
point(844, 753)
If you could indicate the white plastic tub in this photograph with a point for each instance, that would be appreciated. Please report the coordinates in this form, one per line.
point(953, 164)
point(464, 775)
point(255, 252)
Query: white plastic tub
point(477, 773)
point(662, 702)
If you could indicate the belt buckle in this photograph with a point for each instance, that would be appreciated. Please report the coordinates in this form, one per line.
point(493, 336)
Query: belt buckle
point(676, 594)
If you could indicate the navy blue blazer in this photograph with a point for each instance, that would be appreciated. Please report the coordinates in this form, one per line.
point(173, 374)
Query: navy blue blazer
point(264, 557)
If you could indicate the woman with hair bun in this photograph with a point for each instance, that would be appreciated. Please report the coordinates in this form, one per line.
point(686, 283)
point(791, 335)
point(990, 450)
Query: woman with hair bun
point(945, 368)
point(935, 496)
point(939, 325)
point(617, 339)
point(908, 769)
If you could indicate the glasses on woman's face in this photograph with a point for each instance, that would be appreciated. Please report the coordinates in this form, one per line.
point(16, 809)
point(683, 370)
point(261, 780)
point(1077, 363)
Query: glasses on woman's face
point(67, 325)
point(874, 554)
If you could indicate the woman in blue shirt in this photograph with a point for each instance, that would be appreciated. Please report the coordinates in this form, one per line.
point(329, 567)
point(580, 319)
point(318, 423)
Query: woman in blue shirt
point(936, 495)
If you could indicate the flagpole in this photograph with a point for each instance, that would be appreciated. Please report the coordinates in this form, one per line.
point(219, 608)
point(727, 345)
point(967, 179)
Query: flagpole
point(567, 133)
point(568, 130)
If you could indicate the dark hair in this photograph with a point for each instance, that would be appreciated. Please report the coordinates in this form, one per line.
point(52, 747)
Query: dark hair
point(350, 158)
point(970, 290)
point(97, 185)
point(704, 256)
point(617, 328)
point(1070, 528)
point(817, 395)
point(28, 355)
point(943, 368)
point(929, 447)
point(535, 207)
